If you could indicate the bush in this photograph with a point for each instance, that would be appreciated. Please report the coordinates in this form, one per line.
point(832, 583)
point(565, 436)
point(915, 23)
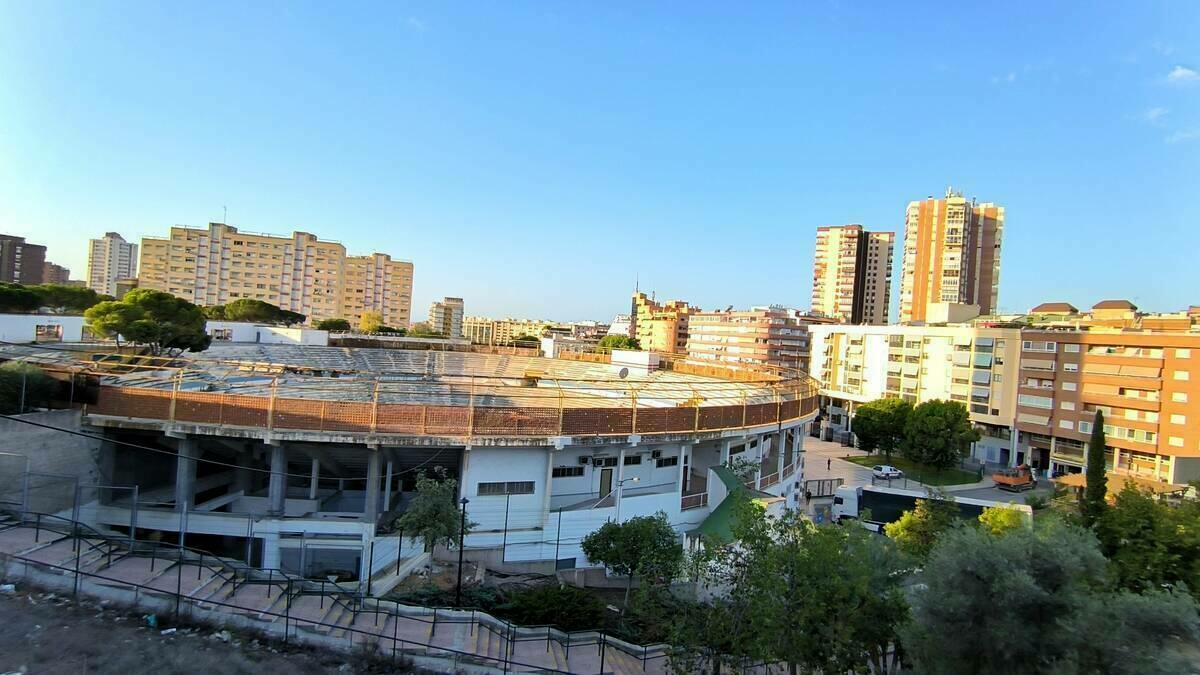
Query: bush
point(564, 607)
point(39, 387)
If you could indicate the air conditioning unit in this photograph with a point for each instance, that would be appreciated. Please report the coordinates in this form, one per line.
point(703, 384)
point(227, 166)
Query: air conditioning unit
point(655, 454)
point(584, 459)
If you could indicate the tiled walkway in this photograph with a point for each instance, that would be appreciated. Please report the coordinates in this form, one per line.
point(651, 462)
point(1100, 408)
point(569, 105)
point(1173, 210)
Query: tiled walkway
point(212, 587)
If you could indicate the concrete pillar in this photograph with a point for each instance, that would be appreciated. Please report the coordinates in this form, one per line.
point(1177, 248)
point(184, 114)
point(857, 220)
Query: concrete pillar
point(725, 444)
point(371, 503)
point(312, 481)
point(270, 550)
point(780, 443)
point(387, 487)
point(185, 473)
point(108, 469)
point(683, 477)
point(277, 489)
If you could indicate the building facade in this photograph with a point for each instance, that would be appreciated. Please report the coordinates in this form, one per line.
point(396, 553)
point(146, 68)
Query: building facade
point(660, 327)
point(951, 255)
point(976, 366)
point(772, 336)
point(1146, 383)
point(478, 329)
point(110, 259)
point(20, 261)
point(55, 274)
point(446, 317)
point(852, 274)
point(300, 273)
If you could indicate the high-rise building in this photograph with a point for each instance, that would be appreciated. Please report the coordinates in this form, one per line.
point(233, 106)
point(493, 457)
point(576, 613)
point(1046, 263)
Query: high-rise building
point(55, 274)
point(300, 273)
point(110, 258)
point(660, 327)
point(951, 254)
point(761, 336)
point(21, 262)
point(446, 317)
point(852, 274)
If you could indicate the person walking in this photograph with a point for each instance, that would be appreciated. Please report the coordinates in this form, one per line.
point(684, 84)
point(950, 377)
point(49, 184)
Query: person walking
point(828, 463)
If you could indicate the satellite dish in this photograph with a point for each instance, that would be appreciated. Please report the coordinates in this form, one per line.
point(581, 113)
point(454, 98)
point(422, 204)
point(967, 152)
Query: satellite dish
point(623, 373)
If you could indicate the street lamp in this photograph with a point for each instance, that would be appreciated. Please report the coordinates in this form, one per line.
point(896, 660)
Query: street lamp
point(462, 532)
point(620, 489)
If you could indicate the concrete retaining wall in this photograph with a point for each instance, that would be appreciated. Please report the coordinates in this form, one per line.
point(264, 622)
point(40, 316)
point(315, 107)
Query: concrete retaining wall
point(48, 451)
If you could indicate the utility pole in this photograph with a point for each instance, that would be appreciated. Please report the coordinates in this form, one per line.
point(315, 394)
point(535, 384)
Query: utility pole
point(462, 534)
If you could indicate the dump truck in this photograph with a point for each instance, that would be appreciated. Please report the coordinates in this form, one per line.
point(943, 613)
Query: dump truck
point(875, 506)
point(1015, 480)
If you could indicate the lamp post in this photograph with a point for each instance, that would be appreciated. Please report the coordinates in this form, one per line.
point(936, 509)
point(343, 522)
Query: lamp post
point(620, 491)
point(462, 532)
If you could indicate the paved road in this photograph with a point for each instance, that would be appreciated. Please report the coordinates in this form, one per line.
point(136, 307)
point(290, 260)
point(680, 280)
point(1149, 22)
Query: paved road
point(825, 461)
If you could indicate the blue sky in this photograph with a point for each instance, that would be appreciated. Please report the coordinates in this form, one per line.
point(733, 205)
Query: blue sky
point(536, 158)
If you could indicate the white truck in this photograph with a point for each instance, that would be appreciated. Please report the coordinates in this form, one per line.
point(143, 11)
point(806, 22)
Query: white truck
point(886, 505)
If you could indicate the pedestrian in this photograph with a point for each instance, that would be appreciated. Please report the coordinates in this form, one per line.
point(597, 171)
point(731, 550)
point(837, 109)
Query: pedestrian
point(828, 463)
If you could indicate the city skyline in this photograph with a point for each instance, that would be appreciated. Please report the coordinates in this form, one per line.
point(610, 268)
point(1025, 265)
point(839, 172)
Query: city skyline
point(711, 140)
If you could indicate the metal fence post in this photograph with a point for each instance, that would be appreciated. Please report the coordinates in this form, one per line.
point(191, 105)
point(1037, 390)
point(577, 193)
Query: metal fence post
point(133, 514)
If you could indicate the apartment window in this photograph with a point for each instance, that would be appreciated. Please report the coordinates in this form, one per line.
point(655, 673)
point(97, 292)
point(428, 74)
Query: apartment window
point(1067, 405)
point(1066, 424)
point(664, 462)
point(1182, 375)
point(1178, 419)
point(1071, 349)
point(567, 471)
point(1179, 397)
point(631, 460)
point(603, 462)
point(1035, 401)
point(1085, 427)
point(1069, 386)
point(1175, 441)
point(1070, 367)
point(520, 487)
point(1183, 353)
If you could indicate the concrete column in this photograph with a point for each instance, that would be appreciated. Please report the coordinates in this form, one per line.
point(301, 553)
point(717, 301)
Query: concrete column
point(371, 503)
point(683, 477)
point(277, 489)
point(387, 487)
point(270, 551)
point(546, 492)
point(725, 444)
point(185, 473)
point(781, 443)
point(108, 468)
point(312, 481)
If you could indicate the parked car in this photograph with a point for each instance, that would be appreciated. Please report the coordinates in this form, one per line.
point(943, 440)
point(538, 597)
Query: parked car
point(886, 471)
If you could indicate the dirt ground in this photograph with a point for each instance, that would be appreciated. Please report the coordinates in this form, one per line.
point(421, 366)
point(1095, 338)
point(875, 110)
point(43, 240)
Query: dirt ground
point(44, 633)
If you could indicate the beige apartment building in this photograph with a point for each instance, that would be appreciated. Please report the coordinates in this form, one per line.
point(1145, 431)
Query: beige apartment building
point(951, 255)
point(484, 331)
point(1147, 383)
point(479, 329)
point(301, 273)
point(446, 317)
point(852, 274)
point(772, 336)
point(660, 327)
point(976, 366)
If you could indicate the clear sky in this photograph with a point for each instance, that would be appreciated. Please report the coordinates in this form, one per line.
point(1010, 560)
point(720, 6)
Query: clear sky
point(536, 158)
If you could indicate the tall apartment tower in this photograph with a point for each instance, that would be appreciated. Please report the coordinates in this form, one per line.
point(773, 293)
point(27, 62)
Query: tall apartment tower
point(660, 327)
point(446, 317)
point(20, 261)
point(852, 274)
point(951, 254)
point(300, 273)
point(110, 258)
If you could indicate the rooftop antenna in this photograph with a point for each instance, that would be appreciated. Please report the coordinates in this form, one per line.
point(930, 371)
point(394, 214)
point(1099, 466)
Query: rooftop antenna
point(224, 215)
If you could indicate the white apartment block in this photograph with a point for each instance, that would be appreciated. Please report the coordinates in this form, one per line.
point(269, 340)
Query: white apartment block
point(110, 258)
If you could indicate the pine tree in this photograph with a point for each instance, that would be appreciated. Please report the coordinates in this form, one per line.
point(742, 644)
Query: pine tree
point(1092, 506)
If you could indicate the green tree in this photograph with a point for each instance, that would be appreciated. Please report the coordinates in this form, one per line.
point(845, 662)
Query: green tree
point(24, 387)
point(1000, 520)
point(18, 299)
point(611, 342)
point(1036, 601)
point(257, 311)
point(333, 324)
point(645, 546)
point(214, 312)
point(879, 425)
point(433, 514)
point(1149, 543)
point(422, 329)
point(64, 299)
point(161, 321)
point(821, 599)
point(938, 433)
point(918, 530)
point(1093, 503)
